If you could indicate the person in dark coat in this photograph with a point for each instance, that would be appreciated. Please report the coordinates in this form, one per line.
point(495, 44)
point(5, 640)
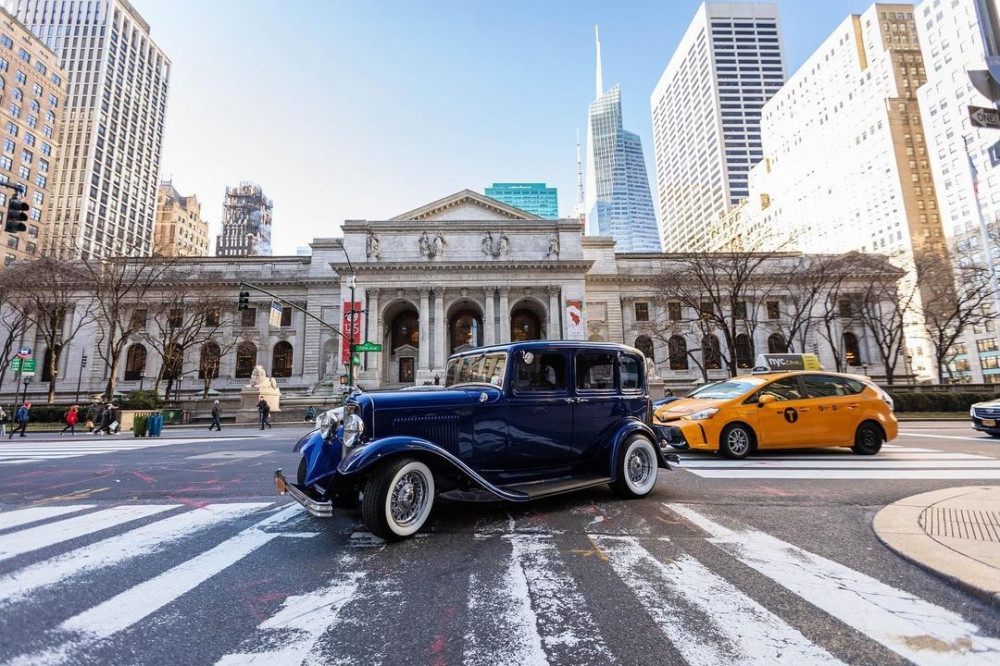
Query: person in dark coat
point(216, 416)
point(21, 417)
point(93, 415)
point(310, 414)
point(264, 411)
point(107, 418)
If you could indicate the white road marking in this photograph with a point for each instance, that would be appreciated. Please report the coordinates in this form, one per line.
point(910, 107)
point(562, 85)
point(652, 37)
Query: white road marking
point(731, 627)
point(10, 519)
point(983, 438)
point(846, 474)
point(861, 463)
point(302, 620)
point(917, 630)
point(115, 550)
point(25, 541)
point(34, 450)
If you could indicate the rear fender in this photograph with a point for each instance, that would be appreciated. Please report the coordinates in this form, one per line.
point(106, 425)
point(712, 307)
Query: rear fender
point(617, 443)
point(380, 450)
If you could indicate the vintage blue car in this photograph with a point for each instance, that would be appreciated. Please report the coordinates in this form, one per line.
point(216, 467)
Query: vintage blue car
point(514, 422)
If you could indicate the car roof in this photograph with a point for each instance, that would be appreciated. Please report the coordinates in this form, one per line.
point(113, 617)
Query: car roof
point(550, 344)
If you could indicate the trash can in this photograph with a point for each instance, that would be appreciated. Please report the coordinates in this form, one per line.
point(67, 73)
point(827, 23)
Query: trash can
point(139, 425)
point(155, 424)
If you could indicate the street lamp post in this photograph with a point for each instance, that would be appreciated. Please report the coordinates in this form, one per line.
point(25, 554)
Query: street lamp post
point(79, 377)
point(142, 378)
point(24, 396)
point(351, 282)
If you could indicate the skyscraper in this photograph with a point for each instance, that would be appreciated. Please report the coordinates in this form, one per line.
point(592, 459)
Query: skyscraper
point(180, 231)
point(618, 202)
point(534, 198)
point(107, 168)
point(706, 115)
point(246, 223)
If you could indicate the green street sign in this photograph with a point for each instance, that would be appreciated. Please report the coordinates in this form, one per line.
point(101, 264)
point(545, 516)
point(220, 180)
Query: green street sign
point(356, 360)
point(15, 364)
point(28, 365)
point(367, 347)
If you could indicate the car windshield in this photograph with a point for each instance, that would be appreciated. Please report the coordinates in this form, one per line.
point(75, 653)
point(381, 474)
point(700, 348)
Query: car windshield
point(478, 369)
point(727, 390)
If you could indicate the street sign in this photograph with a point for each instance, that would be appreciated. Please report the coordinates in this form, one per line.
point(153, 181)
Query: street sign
point(24, 352)
point(367, 347)
point(275, 319)
point(356, 360)
point(28, 366)
point(15, 364)
point(984, 117)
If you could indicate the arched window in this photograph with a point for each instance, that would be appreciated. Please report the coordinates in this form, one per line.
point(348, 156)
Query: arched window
point(744, 351)
point(524, 325)
point(281, 360)
point(776, 344)
point(466, 330)
point(406, 329)
point(246, 359)
point(678, 350)
point(173, 362)
point(645, 345)
point(852, 353)
point(711, 357)
point(208, 368)
point(135, 363)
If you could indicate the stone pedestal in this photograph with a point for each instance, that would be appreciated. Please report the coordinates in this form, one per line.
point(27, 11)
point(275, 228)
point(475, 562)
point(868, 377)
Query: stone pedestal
point(259, 387)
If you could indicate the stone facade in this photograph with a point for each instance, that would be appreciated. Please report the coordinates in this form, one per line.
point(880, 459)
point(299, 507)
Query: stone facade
point(179, 229)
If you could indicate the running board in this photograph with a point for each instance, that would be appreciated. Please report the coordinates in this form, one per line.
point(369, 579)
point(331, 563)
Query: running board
point(539, 489)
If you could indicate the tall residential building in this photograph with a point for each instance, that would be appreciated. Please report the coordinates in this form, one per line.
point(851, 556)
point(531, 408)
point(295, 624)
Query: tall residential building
point(534, 198)
point(706, 115)
point(246, 223)
point(179, 231)
point(107, 168)
point(951, 40)
point(618, 202)
point(32, 96)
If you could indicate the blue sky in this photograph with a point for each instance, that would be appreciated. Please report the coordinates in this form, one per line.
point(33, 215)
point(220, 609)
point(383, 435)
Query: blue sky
point(369, 108)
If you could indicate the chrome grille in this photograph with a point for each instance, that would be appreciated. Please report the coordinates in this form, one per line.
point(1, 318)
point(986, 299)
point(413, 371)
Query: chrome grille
point(440, 430)
point(987, 412)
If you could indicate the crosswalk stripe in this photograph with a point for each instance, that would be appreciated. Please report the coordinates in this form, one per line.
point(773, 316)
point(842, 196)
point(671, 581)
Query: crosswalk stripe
point(866, 463)
point(965, 438)
point(858, 474)
point(301, 621)
point(918, 630)
point(25, 541)
point(115, 550)
point(742, 631)
point(11, 519)
point(35, 450)
point(907, 449)
point(687, 458)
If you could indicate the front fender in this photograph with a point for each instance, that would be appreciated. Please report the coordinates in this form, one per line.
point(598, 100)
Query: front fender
point(382, 449)
point(322, 456)
point(625, 430)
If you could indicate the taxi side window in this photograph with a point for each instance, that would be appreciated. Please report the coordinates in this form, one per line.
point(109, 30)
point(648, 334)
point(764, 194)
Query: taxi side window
point(540, 372)
point(595, 371)
point(824, 386)
point(786, 388)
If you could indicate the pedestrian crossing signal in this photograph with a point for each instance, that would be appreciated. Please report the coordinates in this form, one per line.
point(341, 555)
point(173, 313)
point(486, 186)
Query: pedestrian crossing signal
point(244, 303)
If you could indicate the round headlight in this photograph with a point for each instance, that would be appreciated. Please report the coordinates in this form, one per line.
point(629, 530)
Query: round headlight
point(353, 427)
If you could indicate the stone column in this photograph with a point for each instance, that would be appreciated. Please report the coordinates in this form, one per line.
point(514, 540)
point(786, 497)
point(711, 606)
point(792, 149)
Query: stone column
point(489, 316)
point(423, 357)
point(555, 311)
point(440, 331)
point(504, 332)
point(373, 321)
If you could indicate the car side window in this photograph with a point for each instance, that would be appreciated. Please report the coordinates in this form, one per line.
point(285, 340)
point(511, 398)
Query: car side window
point(823, 386)
point(595, 371)
point(544, 371)
point(630, 369)
point(786, 388)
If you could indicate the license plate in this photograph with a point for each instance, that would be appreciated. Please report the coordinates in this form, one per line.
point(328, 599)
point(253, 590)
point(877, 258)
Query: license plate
point(989, 422)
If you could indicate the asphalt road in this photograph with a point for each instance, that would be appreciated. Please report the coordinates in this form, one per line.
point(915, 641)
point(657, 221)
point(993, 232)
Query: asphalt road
point(181, 553)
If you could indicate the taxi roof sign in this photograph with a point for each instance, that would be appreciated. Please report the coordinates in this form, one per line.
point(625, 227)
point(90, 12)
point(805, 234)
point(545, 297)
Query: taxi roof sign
point(786, 363)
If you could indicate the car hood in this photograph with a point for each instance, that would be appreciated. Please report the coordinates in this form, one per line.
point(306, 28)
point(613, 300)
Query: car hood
point(445, 398)
point(988, 403)
point(675, 410)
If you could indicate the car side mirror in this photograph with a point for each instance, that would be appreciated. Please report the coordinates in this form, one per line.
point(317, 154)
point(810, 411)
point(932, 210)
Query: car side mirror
point(483, 397)
point(765, 399)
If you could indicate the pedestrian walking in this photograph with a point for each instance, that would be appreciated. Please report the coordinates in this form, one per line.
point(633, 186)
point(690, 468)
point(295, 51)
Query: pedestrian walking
point(107, 423)
point(21, 417)
point(264, 411)
point(72, 416)
point(3, 422)
point(216, 416)
point(93, 415)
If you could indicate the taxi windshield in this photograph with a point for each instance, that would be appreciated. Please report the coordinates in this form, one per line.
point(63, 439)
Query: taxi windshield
point(727, 390)
point(478, 369)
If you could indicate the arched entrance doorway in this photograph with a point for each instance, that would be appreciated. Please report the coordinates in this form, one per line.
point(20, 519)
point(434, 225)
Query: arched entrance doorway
point(465, 329)
point(402, 345)
point(527, 321)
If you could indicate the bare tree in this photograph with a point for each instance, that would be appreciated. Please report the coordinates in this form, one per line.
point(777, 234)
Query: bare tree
point(882, 307)
point(13, 325)
point(121, 286)
point(812, 278)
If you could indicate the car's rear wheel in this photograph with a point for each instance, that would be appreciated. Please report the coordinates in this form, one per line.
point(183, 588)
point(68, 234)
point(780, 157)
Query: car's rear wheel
point(867, 439)
point(637, 465)
point(398, 498)
point(736, 441)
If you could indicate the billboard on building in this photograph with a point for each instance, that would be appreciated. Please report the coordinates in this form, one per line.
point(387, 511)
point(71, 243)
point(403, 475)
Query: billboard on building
point(576, 328)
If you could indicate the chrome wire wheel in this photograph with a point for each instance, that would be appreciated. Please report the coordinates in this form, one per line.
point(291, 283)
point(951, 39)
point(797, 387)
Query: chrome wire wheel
point(408, 499)
point(636, 468)
point(398, 498)
point(639, 466)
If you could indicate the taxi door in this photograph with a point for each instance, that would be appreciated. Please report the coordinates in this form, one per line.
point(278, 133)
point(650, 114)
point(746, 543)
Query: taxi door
point(786, 421)
point(837, 410)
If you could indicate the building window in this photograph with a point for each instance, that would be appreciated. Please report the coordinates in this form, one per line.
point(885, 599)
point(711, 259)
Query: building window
point(674, 311)
point(989, 344)
point(740, 310)
point(773, 310)
point(677, 349)
point(138, 322)
point(776, 344)
point(208, 367)
point(642, 311)
point(213, 317)
point(711, 355)
point(852, 352)
point(281, 360)
point(744, 351)
point(135, 363)
point(248, 318)
point(286, 316)
point(175, 319)
point(645, 345)
point(705, 310)
point(246, 358)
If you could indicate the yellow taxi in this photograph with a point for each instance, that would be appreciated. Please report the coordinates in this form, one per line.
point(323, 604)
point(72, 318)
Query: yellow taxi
point(794, 408)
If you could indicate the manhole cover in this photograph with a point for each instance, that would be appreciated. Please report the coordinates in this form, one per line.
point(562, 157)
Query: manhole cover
point(961, 523)
point(230, 455)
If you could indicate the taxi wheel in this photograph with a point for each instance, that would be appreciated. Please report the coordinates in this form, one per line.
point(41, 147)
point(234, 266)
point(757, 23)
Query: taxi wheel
point(398, 498)
point(736, 441)
point(867, 440)
point(636, 468)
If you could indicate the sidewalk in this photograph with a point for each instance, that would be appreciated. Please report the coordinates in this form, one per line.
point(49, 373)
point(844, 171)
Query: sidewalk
point(953, 532)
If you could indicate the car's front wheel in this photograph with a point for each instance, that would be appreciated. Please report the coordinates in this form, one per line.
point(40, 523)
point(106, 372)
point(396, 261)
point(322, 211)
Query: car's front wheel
point(398, 498)
point(636, 473)
point(736, 441)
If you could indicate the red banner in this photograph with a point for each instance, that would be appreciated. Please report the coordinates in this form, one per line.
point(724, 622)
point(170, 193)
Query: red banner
point(351, 337)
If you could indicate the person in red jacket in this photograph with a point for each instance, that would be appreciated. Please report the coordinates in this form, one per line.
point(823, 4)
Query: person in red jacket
point(72, 416)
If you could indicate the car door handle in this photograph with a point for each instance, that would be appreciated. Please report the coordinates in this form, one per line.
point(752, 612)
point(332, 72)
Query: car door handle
point(853, 405)
point(572, 401)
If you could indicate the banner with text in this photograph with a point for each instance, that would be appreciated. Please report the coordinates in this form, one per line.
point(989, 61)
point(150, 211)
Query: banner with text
point(350, 336)
point(576, 328)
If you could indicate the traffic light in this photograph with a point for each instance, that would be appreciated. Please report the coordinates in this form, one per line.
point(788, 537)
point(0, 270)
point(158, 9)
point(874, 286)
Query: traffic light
point(17, 215)
point(244, 301)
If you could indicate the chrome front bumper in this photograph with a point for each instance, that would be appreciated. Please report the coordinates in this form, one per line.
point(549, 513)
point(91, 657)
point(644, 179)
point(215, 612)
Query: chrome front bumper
point(320, 509)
